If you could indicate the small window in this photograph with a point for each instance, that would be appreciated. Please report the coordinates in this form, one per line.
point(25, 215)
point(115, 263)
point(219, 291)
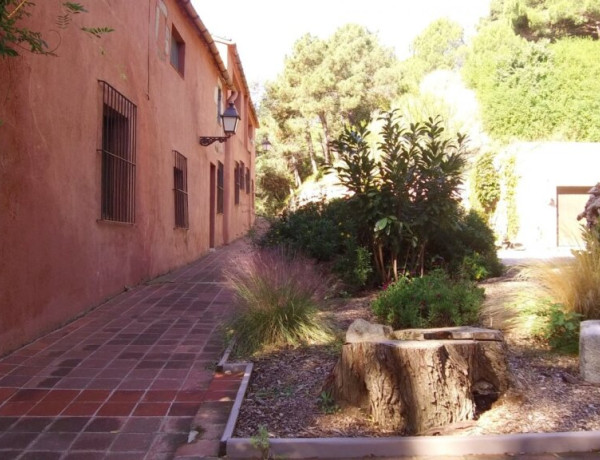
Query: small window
point(220, 188)
point(242, 178)
point(177, 50)
point(247, 181)
point(236, 188)
point(180, 191)
point(118, 146)
point(219, 104)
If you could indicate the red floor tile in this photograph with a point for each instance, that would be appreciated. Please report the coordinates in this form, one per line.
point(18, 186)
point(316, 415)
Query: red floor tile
point(126, 396)
point(5, 393)
point(16, 408)
point(184, 409)
point(153, 409)
point(159, 396)
point(93, 395)
point(61, 395)
point(93, 441)
point(48, 408)
point(82, 408)
point(28, 394)
point(116, 409)
point(190, 396)
point(132, 442)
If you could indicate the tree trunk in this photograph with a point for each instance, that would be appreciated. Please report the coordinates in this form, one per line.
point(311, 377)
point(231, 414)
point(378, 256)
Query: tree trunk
point(411, 386)
point(326, 141)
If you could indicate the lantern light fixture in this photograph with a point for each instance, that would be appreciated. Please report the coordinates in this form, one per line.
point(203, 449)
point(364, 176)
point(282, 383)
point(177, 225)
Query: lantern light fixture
point(230, 120)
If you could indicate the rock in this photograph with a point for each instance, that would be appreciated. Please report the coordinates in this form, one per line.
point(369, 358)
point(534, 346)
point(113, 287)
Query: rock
point(589, 351)
point(363, 331)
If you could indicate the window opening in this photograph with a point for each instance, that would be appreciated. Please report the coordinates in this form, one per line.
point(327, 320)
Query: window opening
point(220, 188)
point(118, 147)
point(177, 51)
point(180, 190)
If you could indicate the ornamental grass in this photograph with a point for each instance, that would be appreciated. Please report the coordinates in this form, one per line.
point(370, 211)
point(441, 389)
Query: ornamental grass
point(277, 294)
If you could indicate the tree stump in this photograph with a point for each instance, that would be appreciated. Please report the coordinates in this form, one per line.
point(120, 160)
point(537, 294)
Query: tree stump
point(411, 386)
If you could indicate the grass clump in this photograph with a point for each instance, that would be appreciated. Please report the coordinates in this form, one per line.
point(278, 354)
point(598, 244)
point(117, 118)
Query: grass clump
point(576, 283)
point(277, 294)
point(433, 300)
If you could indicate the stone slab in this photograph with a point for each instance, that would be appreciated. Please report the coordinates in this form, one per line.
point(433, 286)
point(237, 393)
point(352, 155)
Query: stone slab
point(449, 333)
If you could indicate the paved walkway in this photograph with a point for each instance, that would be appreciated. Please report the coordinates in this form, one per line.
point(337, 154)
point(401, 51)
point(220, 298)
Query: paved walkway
point(125, 381)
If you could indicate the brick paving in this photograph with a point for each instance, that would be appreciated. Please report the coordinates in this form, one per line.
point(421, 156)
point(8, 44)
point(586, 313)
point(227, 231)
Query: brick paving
point(126, 380)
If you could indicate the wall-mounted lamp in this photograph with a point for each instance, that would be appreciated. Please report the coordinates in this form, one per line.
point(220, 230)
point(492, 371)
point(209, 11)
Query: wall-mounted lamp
point(266, 144)
point(230, 121)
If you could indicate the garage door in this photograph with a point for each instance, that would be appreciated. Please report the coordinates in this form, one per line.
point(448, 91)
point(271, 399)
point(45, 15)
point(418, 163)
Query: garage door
point(570, 202)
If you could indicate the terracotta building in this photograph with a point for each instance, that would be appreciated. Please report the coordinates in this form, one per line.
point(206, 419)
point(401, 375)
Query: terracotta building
point(103, 180)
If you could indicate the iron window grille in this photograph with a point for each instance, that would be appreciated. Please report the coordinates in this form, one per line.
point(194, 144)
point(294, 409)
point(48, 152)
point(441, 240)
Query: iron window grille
point(220, 187)
point(236, 188)
point(180, 190)
point(241, 172)
point(118, 151)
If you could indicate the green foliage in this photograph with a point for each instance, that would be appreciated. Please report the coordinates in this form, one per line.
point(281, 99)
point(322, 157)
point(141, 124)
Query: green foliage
point(277, 295)
point(405, 196)
point(327, 403)
point(261, 442)
point(486, 184)
point(468, 248)
point(326, 81)
point(552, 19)
point(440, 46)
point(535, 90)
point(510, 182)
point(326, 232)
point(273, 184)
point(556, 326)
point(15, 37)
point(433, 300)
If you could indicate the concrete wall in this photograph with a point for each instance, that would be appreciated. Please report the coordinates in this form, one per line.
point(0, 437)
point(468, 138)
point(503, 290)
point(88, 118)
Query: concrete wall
point(59, 258)
point(543, 169)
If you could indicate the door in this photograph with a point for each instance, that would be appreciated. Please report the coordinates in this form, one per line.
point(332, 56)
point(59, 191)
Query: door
point(213, 205)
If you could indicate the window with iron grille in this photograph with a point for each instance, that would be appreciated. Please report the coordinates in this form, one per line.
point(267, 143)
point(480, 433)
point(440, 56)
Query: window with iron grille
point(118, 147)
point(180, 190)
point(242, 171)
point(236, 185)
point(220, 188)
point(247, 180)
point(177, 51)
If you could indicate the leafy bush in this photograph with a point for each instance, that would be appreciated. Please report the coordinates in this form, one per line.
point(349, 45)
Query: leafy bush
point(468, 249)
point(553, 324)
point(326, 232)
point(433, 300)
point(277, 295)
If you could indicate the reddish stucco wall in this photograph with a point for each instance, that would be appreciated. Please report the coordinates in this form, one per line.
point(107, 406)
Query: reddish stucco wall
point(58, 258)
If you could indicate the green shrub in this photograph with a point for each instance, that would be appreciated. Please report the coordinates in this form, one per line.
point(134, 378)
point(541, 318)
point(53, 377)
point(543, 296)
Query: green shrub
point(326, 232)
point(553, 324)
point(468, 249)
point(277, 295)
point(433, 300)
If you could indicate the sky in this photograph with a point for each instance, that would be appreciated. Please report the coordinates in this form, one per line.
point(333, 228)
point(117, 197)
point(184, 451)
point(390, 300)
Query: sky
point(265, 30)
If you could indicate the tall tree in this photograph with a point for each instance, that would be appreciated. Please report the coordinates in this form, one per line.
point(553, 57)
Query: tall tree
point(327, 82)
point(553, 19)
point(440, 46)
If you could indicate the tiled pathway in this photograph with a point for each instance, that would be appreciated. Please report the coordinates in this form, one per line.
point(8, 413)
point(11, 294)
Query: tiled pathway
point(126, 380)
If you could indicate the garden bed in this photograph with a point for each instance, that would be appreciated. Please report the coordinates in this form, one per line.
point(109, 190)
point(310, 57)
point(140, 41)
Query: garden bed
point(285, 393)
